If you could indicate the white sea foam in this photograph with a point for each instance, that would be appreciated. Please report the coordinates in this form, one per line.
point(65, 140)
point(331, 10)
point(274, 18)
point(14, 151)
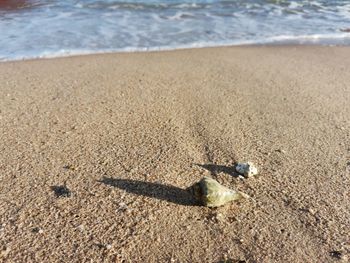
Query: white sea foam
point(64, 28)
point(327, 39)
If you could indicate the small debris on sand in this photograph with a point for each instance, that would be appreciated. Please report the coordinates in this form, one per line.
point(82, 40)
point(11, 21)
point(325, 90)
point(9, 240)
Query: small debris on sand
point(69, 167)
point(61, 191)
point(37, 230)
point(122, 207)
point(336, 254)
point(81, 228)
point(281, 151)
point(247, 169)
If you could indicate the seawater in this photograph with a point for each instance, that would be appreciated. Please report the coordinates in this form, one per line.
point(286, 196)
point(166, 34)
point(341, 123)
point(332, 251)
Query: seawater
point(50, 28)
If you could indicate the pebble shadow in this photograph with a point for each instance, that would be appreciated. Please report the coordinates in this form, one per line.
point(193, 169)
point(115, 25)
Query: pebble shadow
point(215, 169)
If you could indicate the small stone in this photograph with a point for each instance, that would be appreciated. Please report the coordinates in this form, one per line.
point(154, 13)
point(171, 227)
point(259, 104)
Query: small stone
point(312, 211)
point(281, 151)
point(123, 207)
point(108, 246)
point(336, 254)
point(247, 169)
point(69, 167)
point(36, 230)
point(81, 228)
point(122, 204)
point(61, 191)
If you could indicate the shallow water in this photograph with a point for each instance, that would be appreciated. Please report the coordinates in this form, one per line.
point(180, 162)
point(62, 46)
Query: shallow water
point(49, 28)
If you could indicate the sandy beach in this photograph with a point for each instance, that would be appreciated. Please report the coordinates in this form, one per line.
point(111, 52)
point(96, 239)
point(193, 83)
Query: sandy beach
point(97, 151)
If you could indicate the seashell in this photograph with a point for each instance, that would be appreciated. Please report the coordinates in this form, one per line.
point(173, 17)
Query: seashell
point(247, 169)
point(212, 194)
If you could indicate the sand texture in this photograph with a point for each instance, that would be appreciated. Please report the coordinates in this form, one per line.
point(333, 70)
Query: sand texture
point(97, 151)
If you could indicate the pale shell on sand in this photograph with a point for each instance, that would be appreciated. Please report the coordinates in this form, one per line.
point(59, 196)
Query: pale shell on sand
point(212, 194)
point(247, 169)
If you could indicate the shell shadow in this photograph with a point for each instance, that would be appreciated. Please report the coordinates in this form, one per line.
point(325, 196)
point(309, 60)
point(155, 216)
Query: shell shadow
point(163, 192)
point(215, 169)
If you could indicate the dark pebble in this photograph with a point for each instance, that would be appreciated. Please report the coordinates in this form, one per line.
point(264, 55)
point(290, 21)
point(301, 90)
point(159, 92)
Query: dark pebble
point(61, 191)
point(336, 254)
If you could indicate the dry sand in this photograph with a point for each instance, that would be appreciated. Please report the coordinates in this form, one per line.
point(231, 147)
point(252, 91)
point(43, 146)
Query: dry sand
point(128, 133)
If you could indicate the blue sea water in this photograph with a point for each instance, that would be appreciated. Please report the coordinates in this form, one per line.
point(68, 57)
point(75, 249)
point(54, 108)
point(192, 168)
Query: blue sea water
point(49, 28)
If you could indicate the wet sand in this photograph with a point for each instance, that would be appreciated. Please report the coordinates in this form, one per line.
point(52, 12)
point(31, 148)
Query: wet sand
point(97, 151)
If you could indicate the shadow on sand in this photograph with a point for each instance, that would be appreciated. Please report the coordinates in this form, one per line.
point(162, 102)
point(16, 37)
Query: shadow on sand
point(215, 169)
point(159, 191)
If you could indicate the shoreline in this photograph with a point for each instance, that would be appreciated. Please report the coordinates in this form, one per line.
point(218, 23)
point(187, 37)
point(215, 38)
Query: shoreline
point(127, 133)
point(169, 49)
